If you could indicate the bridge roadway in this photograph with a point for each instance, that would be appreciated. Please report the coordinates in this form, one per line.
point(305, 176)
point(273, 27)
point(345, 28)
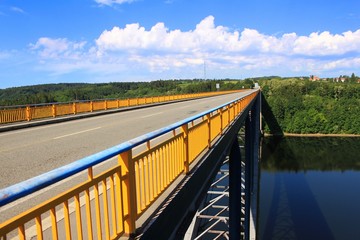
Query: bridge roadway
point(29, 152)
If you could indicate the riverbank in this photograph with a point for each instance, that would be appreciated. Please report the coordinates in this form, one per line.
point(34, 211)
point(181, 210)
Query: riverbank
point(310, 135)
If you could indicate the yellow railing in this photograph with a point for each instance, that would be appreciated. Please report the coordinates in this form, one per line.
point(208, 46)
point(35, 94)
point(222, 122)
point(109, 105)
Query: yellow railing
point(107, 206)
point(28, 113)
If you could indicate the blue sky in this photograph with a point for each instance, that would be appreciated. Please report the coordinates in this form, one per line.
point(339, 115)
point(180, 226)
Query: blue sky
point(141, 40)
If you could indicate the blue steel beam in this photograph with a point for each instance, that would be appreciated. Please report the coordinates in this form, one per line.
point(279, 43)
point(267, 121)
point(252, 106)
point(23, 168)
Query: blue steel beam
point(16, 191)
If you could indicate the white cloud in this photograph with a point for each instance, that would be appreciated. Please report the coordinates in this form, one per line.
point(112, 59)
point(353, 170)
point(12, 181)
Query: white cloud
point(208, 37)
point(325, 43)
point(58, 48)
point(133, 50)
point(205, 37)
point(342, 63)
point(113, 2)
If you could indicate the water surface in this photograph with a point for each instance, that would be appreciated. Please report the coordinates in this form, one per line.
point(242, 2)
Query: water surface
point(310, 189)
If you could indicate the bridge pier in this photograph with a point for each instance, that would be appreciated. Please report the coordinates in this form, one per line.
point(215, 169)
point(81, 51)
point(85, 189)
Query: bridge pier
point(243, 202)
point(251, 171)
point(255, 126)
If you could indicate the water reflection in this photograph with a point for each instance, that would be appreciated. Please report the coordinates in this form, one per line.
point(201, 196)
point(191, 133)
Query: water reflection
point(301, 154)
point(309, 189)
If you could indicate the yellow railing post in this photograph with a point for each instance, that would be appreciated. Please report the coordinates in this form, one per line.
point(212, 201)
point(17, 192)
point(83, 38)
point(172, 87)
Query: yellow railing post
point(91, 106)
point(129, 191)
point(105, 105)
point(39, 231)
point(21, 231)
point(209, 129)
point(28, 113)
point(54, 228)
point(78, 217)
point(185, 130)
point(221, 122)
point(228, 112)
point(74, 108)
point(234, 111)
point(88, 207)
point(67, 219)
point(54, 110)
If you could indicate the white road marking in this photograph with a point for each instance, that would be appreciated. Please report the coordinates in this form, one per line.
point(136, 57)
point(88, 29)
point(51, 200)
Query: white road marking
point(68, 135)
point(150, 115)
point(23, 131)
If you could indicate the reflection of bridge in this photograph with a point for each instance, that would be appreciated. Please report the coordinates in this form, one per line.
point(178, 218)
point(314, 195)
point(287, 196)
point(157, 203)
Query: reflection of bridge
point(155, 187)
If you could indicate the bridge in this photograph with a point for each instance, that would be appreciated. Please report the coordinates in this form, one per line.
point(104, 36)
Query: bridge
point(160, 185)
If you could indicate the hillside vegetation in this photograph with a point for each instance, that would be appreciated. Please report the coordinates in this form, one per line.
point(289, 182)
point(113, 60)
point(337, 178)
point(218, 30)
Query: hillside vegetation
point(302, 106)
point(290, 105)
point(68, 92)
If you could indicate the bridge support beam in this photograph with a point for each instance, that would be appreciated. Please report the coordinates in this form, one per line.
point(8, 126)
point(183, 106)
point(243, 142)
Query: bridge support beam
point(252, 137)
point(235, 191)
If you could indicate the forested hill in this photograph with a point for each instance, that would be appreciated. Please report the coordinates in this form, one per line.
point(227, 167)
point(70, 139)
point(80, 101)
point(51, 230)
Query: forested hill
point(67, 92)
point(302, 106)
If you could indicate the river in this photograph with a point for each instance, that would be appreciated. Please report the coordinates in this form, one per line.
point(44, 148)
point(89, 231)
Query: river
point(309, 189)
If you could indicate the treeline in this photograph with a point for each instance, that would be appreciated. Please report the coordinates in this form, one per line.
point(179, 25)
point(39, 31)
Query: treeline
point(68, 92)
point(301, 106)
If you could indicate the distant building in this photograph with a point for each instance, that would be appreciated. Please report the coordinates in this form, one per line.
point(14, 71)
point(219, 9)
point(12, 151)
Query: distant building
point(314, 78)
point(358, 81)
point(342, 79)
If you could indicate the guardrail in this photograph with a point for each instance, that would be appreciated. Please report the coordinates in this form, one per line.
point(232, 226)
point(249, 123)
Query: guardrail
point(108, 205)
point(11, 114)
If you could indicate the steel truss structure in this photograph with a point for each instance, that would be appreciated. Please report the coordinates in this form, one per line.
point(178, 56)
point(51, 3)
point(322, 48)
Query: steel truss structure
point(212, 220)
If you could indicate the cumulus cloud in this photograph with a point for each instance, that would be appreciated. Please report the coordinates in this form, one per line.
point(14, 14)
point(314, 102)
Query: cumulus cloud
point(326, 43)
point(208, 37)
point(159, 50)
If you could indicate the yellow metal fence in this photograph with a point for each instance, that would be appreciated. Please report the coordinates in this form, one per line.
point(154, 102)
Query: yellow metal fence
point(28, 113)
point(107, 206)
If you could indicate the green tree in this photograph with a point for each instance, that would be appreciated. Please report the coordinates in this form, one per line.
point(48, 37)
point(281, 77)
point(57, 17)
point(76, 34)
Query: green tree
point(353, 78)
